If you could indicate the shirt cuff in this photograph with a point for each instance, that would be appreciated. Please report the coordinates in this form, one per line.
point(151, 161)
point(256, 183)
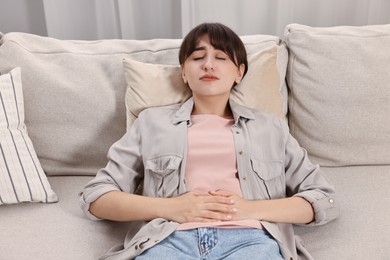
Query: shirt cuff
point(89, 196)
point(326, 207)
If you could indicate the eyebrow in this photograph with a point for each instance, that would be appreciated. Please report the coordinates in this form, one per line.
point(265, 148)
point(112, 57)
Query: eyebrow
point(200, 49)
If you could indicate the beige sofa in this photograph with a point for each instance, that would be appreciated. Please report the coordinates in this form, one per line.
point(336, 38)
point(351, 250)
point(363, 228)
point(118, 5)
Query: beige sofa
point(331, 84)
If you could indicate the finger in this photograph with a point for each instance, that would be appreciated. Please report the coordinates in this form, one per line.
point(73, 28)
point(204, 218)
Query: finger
point(208, 215)
point(220, 208)
point(218, 199)
point(224, 193)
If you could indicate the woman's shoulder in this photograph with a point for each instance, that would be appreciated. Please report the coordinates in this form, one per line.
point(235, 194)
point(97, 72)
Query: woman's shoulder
point(261, 118)
point(160, 111)
point(266, 115)
point(260, 115)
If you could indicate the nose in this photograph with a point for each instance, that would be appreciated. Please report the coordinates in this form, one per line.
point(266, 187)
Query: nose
point(208, 64)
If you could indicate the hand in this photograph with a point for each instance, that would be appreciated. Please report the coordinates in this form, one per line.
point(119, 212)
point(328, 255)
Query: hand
point(198, 207)
point(241, 207)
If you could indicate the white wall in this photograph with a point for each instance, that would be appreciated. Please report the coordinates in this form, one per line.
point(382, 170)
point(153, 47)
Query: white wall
point(23, 16)
point(146, 19)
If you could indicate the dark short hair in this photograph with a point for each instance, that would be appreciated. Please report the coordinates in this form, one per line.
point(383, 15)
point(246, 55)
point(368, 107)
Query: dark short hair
point(221, 37)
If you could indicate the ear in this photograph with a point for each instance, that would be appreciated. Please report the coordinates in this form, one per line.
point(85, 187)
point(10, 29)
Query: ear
point(240, 73)
point(183, 74)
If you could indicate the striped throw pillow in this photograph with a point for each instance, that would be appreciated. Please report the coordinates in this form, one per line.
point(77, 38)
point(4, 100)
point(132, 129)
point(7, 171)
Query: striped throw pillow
point(21, 176)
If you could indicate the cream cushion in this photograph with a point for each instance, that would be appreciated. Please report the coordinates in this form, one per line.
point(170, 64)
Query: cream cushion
point(150, 85)
point(339, 85)
point(21, 176)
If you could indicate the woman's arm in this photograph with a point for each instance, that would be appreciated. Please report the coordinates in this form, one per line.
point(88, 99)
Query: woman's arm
point(189, 207)
point(305, 180)
point(295, 210)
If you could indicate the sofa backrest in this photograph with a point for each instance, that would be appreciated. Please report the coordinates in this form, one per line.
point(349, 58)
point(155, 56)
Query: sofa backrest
point(74, 92)
point(339, 81)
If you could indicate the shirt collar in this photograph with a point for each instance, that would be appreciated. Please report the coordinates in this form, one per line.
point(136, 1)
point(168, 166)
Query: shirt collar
point(184, 113)
point(240, 111)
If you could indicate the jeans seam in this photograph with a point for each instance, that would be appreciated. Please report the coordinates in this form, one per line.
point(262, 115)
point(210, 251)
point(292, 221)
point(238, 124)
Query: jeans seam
point(210, 234)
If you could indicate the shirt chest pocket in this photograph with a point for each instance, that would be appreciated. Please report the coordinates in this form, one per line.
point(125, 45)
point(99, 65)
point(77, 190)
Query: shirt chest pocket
point(271, 176)
point(162, 176)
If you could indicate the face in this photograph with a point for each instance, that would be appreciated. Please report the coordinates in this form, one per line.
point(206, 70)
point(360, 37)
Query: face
point(209, 71)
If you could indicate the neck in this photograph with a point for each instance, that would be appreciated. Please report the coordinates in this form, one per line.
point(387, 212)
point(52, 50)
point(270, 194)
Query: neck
point(212, 105)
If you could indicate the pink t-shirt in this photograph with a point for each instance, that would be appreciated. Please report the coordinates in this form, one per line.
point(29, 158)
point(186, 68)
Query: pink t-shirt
point(211, 163)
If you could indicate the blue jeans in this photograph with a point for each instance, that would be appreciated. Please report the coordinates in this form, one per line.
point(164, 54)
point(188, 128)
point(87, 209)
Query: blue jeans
point(215, 243)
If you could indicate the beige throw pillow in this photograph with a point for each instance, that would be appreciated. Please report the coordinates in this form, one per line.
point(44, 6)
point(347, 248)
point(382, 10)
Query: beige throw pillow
point(21, 176)
point(339, 78)
point(150, 85)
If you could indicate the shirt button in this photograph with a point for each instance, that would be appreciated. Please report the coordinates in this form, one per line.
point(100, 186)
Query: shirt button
point(240, 152)
point(331, 200)
point(237, 132)
point(244, 178)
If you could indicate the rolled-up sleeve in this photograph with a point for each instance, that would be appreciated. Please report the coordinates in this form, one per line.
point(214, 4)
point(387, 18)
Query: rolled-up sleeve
point(325, 207)
point(305, 179)
point(123, 171)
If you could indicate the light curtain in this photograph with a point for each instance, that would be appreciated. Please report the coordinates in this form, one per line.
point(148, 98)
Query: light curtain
point(147, 19)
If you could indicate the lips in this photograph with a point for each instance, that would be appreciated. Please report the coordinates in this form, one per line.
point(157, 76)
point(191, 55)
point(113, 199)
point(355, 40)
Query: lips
point(209, 78)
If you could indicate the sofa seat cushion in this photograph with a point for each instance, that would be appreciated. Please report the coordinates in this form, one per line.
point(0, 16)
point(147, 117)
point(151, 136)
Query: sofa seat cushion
point(61, 231)
point(362, 231)
point(39, 231)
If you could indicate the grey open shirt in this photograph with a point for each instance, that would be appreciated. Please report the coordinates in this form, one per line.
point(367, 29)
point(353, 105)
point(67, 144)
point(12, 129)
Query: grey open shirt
point(270, 165)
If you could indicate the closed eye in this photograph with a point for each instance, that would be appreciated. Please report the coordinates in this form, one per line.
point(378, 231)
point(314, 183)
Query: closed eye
point(220, 55)
point(198, 58)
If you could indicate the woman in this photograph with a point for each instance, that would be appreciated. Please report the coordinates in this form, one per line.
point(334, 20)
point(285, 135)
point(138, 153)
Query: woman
point(220, 181)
